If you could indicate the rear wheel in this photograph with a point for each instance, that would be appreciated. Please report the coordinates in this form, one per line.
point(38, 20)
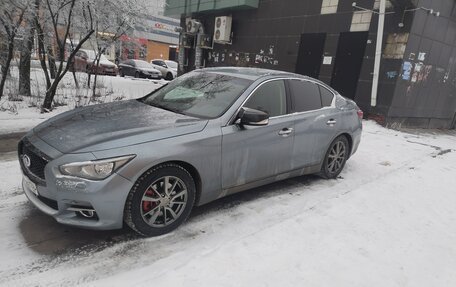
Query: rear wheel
point(121, 73)
point(169, 76)
point(335, 158)
point(160, 200)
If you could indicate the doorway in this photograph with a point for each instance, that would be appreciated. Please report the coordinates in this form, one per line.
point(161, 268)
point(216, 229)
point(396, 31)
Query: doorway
point(349, 58)
point(172, 54)
point(310, 54)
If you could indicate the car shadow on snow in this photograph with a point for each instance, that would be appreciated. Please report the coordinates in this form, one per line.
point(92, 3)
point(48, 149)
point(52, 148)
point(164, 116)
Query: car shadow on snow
point(45, 236)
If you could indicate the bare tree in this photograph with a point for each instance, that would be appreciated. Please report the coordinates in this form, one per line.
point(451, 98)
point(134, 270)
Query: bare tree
point(12, 13)
point(28, 38)
point(110, 25)
point(65, 18)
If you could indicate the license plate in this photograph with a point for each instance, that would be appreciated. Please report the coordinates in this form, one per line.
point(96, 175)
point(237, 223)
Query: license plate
point(30, 185)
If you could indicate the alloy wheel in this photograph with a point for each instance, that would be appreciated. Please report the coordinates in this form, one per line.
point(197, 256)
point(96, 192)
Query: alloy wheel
point(164, 201)
point(336, 157)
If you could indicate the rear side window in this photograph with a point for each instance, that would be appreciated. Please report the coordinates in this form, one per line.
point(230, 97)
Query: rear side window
point(326, 96)
point(306, 95)
point(270, 98)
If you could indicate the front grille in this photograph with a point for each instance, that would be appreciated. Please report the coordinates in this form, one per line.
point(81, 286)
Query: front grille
point(38, 161)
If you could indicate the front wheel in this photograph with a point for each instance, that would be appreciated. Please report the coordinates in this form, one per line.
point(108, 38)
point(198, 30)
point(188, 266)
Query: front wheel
point(160, 201)
point(137, 75)
point(335, 158)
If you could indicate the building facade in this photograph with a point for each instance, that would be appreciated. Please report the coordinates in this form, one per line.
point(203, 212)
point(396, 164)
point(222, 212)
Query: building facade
point(154, 38)
point(336, 42)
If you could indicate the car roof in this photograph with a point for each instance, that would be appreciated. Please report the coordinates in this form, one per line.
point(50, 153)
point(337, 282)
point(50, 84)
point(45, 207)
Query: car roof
point(254, 74)
point(250, 73)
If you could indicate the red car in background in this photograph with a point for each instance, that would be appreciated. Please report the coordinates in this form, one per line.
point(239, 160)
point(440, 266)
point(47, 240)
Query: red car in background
point(84, 61)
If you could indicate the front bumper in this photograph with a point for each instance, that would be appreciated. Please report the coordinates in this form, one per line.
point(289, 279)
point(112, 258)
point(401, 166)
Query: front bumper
point(60, 199)
point(60, 196)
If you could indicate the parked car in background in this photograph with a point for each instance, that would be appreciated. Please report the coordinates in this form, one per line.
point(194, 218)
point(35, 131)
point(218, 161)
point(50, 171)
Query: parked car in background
point(138, 69)
point(207, 134)
point(84, 61)
point(167, 68)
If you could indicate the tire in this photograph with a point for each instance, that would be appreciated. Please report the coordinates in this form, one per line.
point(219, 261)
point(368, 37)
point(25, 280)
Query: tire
point(137, 75)
point(335, 158)
point(150, 210)
point(121, 73)
point(169, 76)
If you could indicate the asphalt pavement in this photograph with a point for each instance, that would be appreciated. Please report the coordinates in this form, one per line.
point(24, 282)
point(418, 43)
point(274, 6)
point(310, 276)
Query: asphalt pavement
point(8, 142)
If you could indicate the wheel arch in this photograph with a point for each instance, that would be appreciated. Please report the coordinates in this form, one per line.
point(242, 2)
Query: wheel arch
point(350, 142)
point(190, 168)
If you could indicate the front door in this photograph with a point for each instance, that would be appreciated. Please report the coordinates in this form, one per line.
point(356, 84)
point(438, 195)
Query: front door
point(310, 54)
point(251, 153)
point(349, 58)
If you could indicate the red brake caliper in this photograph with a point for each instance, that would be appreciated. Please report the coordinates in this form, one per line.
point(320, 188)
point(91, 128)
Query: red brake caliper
point(148, 205)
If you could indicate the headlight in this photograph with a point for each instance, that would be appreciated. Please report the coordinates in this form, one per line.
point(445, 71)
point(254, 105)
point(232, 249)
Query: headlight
point(97, 169)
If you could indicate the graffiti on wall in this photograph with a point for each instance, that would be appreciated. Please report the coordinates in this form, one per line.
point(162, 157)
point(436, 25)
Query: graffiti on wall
point(415, 71)
point(265, 57)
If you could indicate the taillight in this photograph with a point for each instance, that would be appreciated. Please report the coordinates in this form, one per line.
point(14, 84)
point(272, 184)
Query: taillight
point(360, 114)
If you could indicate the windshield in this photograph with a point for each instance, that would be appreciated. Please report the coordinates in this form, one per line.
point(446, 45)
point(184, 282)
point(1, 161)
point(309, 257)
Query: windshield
point(171, 64)
point(199, 94)
point(143, 64)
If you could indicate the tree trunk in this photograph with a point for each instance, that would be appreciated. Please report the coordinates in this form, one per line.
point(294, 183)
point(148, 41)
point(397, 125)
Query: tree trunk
point(51, 62)
point(24, 65)
point(96, 75)
point(5, 67)
point(75, 79)
point(50, 93)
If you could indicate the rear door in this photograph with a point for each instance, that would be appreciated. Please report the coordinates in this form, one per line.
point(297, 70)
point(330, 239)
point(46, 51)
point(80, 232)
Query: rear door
point(251, 153)
point(315, 121)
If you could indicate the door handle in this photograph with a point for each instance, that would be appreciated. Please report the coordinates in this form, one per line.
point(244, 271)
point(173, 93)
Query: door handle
point(285, 132)
point(331, 122)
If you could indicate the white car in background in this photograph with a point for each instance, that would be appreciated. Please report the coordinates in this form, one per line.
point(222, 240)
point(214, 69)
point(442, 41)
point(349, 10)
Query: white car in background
point(166, 67)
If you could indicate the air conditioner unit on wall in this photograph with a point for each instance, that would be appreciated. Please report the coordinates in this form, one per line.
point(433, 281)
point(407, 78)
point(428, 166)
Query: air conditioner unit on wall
point(222, 30)
point(191, 26)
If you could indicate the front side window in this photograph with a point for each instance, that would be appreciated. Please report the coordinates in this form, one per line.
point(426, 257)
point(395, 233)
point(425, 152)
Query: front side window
point(270, 98)
point(306, 95)
point(199, 94)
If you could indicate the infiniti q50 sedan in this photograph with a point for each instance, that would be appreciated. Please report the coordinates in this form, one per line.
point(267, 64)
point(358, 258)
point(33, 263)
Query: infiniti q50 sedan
point(204, 135)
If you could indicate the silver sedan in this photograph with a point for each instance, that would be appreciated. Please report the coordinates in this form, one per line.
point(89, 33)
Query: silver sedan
point(205, 135)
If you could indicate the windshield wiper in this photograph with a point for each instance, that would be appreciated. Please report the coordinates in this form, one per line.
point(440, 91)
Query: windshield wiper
point(166, 108)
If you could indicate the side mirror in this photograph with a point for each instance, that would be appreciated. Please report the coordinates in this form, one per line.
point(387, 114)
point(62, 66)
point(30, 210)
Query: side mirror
point(252, 117)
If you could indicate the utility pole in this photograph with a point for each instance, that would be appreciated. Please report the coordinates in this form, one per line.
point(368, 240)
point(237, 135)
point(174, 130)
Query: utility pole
point(378, 52)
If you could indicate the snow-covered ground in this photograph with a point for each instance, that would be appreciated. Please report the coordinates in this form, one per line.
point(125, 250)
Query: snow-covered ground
point(390, 220)
point(21, 116)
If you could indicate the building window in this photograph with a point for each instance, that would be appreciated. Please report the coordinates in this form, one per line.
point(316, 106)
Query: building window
point(395, 46)
point(361, 21)
point(329, 6)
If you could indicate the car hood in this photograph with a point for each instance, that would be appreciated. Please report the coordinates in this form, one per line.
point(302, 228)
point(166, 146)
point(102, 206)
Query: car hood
point(113, 125)
point(108, 64)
